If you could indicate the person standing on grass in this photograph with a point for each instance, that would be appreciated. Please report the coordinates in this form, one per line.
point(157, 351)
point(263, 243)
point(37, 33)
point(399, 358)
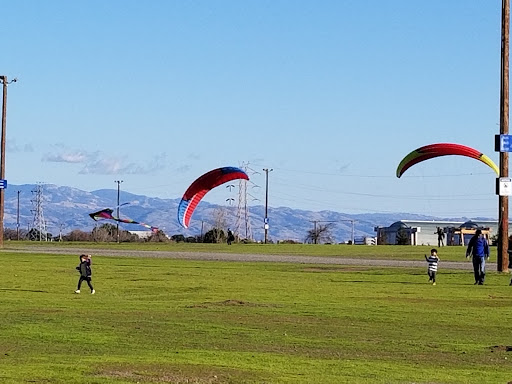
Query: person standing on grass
point(478, 249)
point(85, 272)
point(231, 237)
point(433, 261)
point(440, 237)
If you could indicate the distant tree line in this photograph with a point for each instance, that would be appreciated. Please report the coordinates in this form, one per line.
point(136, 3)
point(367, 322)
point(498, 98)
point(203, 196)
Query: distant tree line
point(108, 233)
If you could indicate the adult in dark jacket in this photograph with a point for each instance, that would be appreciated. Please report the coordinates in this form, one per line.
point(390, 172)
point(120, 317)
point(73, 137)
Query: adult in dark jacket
point(85, 272)
point(478, 249)
point(231, 237)
point(440, 236)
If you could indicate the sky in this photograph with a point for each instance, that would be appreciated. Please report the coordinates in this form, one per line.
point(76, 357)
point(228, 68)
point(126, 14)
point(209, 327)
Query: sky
point(329, 95)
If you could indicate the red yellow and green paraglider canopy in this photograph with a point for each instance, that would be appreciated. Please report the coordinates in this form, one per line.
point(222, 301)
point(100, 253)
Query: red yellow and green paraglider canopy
point(442, 149)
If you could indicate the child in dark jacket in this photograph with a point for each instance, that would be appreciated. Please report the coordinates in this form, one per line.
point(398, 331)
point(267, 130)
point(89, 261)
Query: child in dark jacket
point(85, 272)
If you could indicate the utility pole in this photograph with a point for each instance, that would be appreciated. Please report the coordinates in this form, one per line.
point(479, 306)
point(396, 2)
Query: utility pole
point(353, 228)
point(315, 239)
point(266, 170)
point(18, 218)
point(504, 112)
point(118, 195)
point(3, 80)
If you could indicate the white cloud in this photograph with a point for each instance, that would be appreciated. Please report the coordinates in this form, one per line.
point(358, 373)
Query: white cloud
point(104, 166)
point(183, 169)
point(13, 147)
point(66, 157)
point(99, 163)
point(118, 166)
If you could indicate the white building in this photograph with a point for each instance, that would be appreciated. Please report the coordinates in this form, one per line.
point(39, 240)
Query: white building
point(419, 232)
point(142, 234)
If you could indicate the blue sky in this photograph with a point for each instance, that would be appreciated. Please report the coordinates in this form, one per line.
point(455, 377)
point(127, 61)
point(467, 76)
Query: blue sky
point(331, 95)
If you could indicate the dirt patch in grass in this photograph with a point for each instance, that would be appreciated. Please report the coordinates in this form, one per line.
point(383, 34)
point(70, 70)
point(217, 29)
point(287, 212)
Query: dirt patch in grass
point(501, 348)
point(337, 269)
point(232, 303)
point(174, 377)
point(176, 374)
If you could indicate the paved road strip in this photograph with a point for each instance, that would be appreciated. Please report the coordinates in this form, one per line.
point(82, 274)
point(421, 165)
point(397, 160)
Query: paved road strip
point(465, 265)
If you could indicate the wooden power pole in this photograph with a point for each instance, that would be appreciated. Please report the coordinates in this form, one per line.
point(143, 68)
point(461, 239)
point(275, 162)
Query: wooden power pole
point(504, 111)
point(3, 81)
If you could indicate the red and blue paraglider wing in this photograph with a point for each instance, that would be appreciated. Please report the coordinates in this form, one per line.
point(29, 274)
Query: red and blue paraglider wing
point(202, 186)
point(442, 149)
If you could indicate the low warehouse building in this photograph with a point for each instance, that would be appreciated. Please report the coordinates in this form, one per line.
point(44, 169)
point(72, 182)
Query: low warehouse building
point(417, 232)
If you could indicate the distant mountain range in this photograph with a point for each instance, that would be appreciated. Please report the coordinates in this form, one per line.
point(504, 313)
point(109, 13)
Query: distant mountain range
point(65, 209)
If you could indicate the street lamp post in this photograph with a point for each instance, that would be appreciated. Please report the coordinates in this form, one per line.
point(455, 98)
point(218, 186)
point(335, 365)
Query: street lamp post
point(3, 80)
point(118, 195)
point(266, 170)
point(18, 218)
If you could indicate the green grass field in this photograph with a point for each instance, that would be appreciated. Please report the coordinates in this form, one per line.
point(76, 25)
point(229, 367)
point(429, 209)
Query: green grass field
point(176, 321)
point(391, 252)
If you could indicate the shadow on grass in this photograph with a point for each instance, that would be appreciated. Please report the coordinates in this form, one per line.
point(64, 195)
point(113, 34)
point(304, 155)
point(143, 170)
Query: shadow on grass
point(23, 290)
point(398, 282)
point(231, 302)
point(380, 282)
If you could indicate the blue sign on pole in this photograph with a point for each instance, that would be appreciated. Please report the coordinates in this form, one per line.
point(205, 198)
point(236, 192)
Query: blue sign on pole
point(503, 143)
point(3, 184)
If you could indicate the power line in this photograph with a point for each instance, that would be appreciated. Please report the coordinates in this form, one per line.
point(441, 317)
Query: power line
point(366, 176)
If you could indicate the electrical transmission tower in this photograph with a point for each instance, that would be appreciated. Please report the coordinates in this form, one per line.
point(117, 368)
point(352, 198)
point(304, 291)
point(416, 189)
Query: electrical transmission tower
point(38, 223)
point(243, 223)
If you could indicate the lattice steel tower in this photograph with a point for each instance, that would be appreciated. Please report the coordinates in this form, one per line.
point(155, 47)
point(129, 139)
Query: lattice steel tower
point(243, 222)
point(38, 223)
